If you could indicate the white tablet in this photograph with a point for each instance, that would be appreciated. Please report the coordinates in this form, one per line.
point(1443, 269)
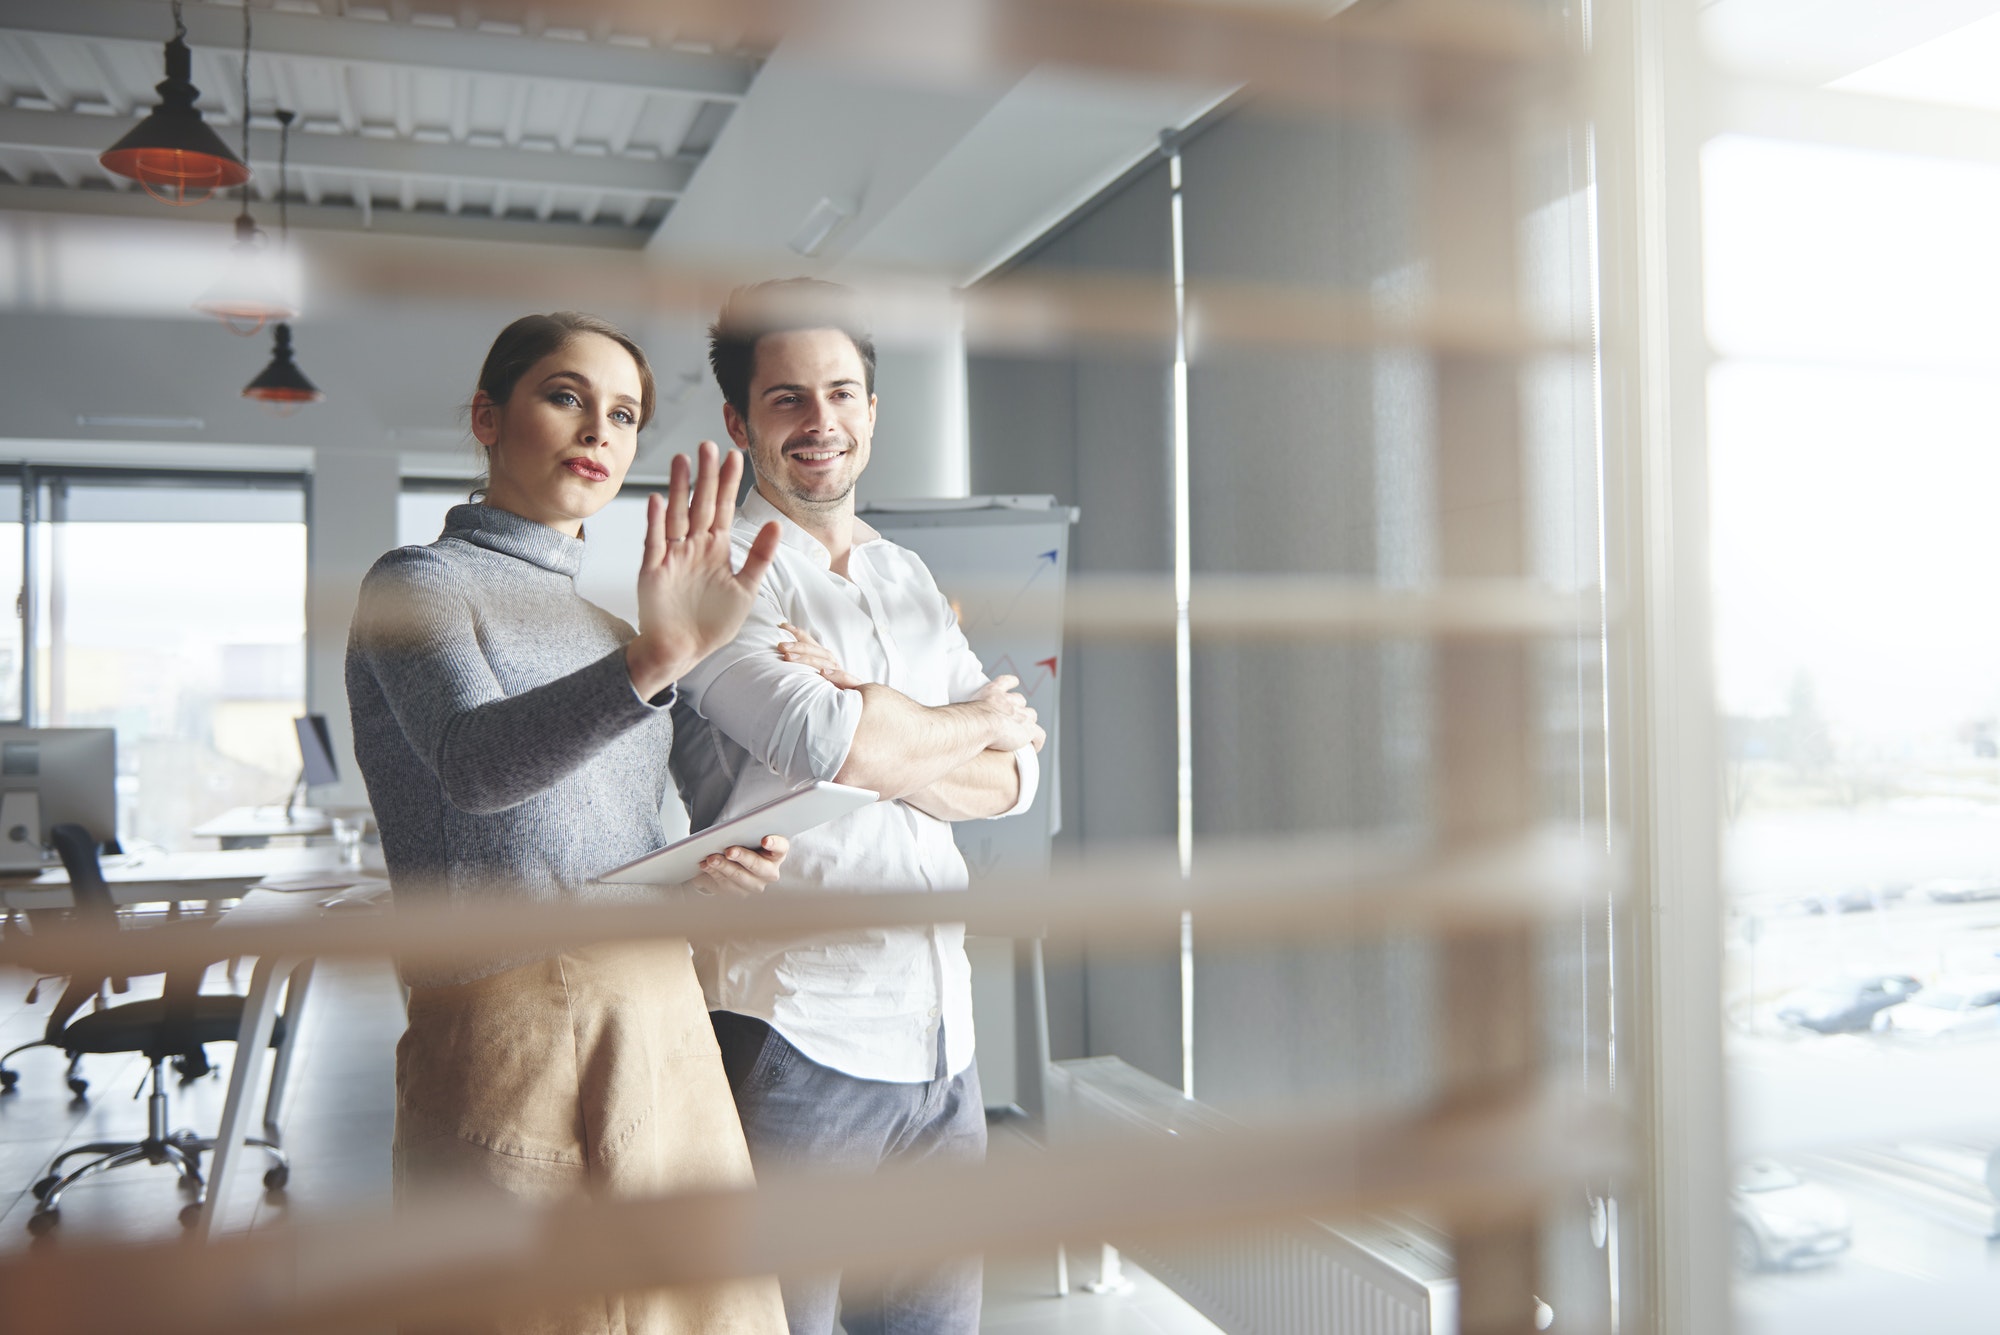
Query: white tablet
point(794, 813)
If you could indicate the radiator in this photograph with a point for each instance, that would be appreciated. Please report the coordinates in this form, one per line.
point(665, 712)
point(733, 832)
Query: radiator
point(1384, 1276)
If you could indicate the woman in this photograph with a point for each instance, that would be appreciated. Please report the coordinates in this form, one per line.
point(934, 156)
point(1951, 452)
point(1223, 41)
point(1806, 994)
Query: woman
point(514, 738)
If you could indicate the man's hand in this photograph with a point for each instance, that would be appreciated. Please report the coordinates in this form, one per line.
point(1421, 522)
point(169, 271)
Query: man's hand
point(803, 648)
point(691, 602)
point(743, 871)
point(1013, 720)
point(1010, 708)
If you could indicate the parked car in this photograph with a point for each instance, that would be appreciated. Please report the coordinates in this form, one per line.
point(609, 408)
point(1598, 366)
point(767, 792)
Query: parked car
point(1853, 899)
point(1961, 889)
point(1849, 1006)
point(1952, 1006)
point(1862, 898)
point(1782, 1220)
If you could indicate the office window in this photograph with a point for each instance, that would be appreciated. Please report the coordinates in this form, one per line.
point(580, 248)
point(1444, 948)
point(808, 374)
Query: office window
point(1852, 411)
point(420, 509)
point(173, 609)
point(14, 594)
point(612, 539)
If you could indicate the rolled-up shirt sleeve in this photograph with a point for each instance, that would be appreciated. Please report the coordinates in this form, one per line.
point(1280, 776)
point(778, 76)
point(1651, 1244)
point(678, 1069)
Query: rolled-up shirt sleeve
point(1028, 765)
point(786, 715)
point(968, 677)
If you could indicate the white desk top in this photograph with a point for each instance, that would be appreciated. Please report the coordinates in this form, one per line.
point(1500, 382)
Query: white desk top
point(143, 878)
point(265, 823)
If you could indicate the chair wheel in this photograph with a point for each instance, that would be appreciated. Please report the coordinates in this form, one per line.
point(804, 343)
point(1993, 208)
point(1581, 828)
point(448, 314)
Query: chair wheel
point(9, 1079)
point(190, 1215)
point(44, 1187)
point(189, 1182)
point(276, 1178)
point(42, 1221)
point(79, 1086)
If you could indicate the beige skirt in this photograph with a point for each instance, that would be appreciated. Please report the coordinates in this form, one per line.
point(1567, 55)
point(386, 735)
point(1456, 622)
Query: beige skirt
point(594, 1072)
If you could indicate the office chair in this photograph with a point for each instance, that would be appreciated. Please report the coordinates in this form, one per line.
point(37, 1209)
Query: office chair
point(70, 1003)
point(75, 993)
point(172, 1027)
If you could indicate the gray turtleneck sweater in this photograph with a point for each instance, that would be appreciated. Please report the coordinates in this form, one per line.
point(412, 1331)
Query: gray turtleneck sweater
point(505, 751)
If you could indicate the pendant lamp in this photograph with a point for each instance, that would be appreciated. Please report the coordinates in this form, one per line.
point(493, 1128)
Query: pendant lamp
point(281, 386)
point(250, 291)
point(173, 153)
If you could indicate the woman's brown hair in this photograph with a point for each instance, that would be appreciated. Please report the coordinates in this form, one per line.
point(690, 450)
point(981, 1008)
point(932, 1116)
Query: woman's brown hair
point(533, 337)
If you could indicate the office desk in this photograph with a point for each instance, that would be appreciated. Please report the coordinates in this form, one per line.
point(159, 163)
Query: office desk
point(157, 878)
point(143, 878)
point(254, 827)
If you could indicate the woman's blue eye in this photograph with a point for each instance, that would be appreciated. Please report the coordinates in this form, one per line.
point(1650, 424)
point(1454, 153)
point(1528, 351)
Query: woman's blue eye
point(625, 415)
point(564, 397)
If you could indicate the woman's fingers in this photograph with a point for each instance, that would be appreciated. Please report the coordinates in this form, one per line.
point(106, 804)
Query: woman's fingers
point(763, 550)
point(677, 499)
point(655, 549)
point(730, 482)
point(701, 505)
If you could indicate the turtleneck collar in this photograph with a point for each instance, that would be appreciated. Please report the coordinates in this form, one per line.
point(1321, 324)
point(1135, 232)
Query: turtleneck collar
point(509, 534)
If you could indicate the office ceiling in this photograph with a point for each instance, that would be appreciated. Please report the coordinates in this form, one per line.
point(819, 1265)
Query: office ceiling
point(627, 154)
point(1818, 41)
point(413, 115)
point(594, 123)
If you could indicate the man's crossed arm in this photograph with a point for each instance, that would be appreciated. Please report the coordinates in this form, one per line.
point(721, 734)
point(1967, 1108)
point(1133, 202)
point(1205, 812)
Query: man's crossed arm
point(954, 762)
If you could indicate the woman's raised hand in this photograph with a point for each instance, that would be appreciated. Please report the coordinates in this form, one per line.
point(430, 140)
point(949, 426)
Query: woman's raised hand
point(691, 601)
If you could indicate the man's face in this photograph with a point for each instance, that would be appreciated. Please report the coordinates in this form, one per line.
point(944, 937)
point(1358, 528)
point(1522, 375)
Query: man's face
point(810, 420)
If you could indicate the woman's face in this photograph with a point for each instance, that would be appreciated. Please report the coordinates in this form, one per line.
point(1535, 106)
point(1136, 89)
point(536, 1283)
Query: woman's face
point(558, 449)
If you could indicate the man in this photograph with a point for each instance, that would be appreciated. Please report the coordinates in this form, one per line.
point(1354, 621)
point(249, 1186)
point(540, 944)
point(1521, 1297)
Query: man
point(854, 1050)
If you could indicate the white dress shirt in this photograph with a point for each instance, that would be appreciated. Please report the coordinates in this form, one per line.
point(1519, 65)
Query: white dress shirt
point(751, 727)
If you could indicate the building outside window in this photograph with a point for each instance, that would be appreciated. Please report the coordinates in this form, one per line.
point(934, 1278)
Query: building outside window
point(171, 608)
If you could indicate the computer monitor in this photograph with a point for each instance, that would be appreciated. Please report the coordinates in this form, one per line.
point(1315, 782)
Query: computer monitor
point(316, 750)
point(73, 773)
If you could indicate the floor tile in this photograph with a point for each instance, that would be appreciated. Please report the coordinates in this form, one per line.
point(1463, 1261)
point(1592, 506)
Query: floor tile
point(338, 1117)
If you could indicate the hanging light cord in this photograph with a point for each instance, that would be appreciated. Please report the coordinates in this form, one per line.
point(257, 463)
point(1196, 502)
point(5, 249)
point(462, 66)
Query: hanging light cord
point(245, 188)
point(284, 151)
point(180, 28)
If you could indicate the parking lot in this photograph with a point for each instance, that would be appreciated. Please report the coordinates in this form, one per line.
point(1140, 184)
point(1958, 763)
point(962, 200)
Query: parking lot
point(1828, 902)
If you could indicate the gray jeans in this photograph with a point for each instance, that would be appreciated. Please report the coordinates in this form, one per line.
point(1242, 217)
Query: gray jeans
point(799, 1115)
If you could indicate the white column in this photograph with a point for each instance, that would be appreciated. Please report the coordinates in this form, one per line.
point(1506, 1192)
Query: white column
point(921, 436)
point(352, 521)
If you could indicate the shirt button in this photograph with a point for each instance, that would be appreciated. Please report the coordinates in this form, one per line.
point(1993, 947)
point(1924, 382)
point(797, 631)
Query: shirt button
point(934, 1012)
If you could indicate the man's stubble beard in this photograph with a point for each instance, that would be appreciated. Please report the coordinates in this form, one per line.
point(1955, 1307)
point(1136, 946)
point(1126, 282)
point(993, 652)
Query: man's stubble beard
point(801, 499)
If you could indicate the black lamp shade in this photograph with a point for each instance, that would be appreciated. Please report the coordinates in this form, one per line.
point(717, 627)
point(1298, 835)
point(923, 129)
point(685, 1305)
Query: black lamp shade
point(281, 383)
point(172, 152)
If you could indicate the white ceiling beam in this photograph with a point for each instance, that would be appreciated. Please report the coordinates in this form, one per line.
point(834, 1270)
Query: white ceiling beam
point(70, 132)
point(374, 42)
point(334, 218)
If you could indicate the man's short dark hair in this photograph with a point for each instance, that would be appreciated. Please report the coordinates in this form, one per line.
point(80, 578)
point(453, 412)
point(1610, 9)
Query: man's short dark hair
point(776, 307)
